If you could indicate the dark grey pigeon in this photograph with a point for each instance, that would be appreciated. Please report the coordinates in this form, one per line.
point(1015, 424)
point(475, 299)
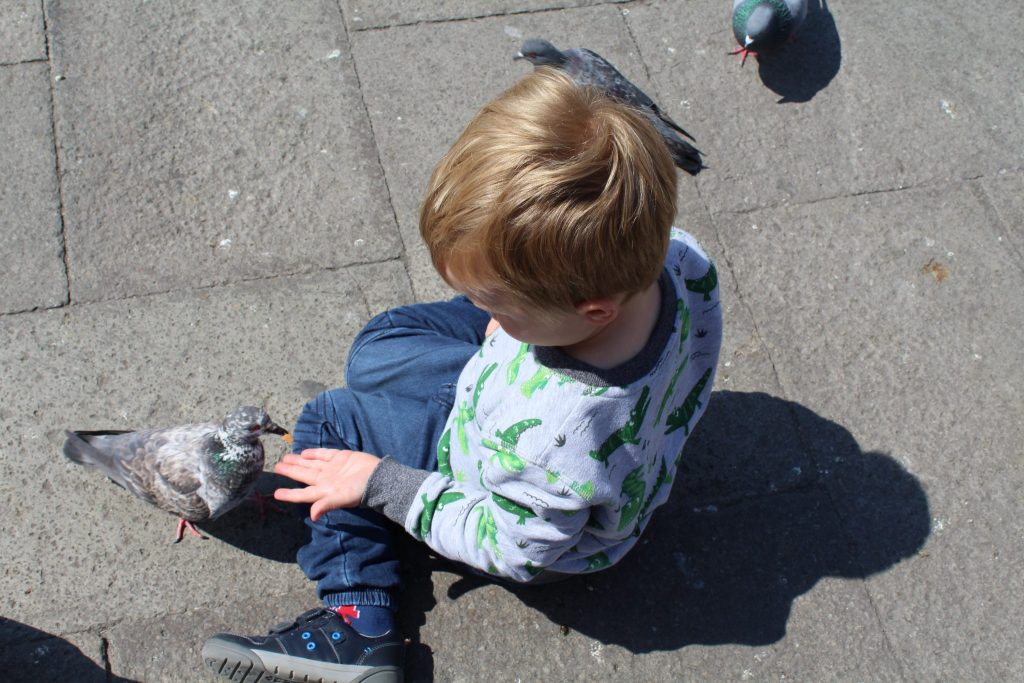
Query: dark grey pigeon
point(765, 24)
point(589, 68)
point(196, 471)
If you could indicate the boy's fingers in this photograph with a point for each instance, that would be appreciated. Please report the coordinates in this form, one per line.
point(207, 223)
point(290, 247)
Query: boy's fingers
point(317, 509)
point(324, 454)
point(300, 473)
point(303, 495)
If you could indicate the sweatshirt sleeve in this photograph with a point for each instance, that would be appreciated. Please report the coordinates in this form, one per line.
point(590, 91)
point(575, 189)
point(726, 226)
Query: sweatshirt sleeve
point(482, 528)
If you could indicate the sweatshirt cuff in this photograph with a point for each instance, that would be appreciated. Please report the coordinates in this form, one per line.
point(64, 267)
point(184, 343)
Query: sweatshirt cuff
point(392, 489)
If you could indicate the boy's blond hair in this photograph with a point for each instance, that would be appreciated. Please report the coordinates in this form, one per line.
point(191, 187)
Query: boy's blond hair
point(554, 193)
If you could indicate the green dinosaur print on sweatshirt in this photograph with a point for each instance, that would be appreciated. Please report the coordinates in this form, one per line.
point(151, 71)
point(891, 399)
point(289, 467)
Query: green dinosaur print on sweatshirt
point(595, 391)
point(663, 478)
point(480, 384)
point(431, 507)
point(680, 417)
point(597, 561)
point(671, 389)
point(684, 323)
point(628, 432)
point(444, 454)
point(523, 513)
point(538, 381)
point(511, 435)
point(633, 488)
point(584, 491)
point(512, 371)
point(532, 569)
point(509, 438)
point(462, 418)
point(467, 411)
point(706, 284)
point(487, 530)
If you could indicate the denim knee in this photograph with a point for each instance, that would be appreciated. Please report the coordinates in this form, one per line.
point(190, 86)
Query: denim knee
point(321, 422)
point(373, 330)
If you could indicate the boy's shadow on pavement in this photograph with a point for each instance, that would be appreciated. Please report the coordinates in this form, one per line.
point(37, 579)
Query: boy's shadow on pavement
point(801, 69)
point(35, 656)
point(769, 499)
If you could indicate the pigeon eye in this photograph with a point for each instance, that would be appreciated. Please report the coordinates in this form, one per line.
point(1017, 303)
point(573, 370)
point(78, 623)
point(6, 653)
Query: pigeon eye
point(254, 428)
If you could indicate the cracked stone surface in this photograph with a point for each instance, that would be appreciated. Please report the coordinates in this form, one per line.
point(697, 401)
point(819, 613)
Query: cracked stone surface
point(240, 186)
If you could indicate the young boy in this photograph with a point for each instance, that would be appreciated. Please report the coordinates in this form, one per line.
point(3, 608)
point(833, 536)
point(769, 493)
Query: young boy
point(529, 428)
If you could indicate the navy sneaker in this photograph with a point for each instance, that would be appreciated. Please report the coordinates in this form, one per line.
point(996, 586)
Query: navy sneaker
point(317, 646)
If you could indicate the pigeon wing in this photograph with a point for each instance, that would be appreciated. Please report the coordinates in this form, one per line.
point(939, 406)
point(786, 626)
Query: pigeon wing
point(161, 467)
point(590, 68)
point(169, 466)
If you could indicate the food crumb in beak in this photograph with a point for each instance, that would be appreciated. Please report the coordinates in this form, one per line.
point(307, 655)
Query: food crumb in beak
point(287, 438)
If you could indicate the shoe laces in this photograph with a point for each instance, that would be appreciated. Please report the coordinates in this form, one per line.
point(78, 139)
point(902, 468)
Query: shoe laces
point(303, 618)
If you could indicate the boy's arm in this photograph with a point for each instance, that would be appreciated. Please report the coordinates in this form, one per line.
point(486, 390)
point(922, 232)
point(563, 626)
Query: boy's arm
point(480, 528)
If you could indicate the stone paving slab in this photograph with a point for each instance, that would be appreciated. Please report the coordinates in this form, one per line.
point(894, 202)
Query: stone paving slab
point(366, 14)
point(32, 269)
point(195, 144)
point(857, 120)
point(420, 97)
point(893, 314)
point(152, 361)
point(21, 31)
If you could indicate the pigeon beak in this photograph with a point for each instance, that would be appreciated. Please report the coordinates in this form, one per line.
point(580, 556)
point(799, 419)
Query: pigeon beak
point(519, 55)
point(275, 429)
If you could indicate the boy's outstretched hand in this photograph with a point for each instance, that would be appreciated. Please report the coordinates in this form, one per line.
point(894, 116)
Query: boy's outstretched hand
point(334, 479)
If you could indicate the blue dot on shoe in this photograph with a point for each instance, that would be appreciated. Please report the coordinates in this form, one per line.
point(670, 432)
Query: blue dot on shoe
point(335, 636)
point(306, 635)
point(310, 646)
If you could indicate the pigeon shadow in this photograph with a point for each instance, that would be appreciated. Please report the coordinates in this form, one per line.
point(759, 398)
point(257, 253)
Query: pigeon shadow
point(770, 499)
point(272, 530)
point(802, 68)
point(34, 656)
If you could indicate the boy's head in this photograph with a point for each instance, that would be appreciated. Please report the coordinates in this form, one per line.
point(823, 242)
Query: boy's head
point(553, 195)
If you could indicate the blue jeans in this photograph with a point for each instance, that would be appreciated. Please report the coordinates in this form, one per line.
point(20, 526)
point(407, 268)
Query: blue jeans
point(401, 375)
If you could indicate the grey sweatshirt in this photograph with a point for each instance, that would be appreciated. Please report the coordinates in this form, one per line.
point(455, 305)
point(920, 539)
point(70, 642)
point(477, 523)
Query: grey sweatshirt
point(549, 464)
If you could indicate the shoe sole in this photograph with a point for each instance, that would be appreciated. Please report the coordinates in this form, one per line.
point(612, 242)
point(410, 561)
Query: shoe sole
point(244, 665)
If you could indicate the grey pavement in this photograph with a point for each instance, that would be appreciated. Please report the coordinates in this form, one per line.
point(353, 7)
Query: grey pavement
point(203, 202)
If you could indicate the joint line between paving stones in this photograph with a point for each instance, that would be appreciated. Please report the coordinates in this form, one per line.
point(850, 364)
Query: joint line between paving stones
point(105, 654)
point(456, 20)
point(862, 193)
point(57, 164)
point(376, 147)
point(982, 195)
point(24, 61)
point(636, 45)
point(200, 288)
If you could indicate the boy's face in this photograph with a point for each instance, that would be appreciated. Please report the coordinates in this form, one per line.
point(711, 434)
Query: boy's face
point(532, 325)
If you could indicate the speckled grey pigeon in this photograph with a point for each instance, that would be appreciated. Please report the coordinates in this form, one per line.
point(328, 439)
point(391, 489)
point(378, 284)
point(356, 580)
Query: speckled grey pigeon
point(196, 471)
point(589, 68)
point(764, 24)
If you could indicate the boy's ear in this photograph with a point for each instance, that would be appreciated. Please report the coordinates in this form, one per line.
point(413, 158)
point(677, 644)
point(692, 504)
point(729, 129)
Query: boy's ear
point(598, 311)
